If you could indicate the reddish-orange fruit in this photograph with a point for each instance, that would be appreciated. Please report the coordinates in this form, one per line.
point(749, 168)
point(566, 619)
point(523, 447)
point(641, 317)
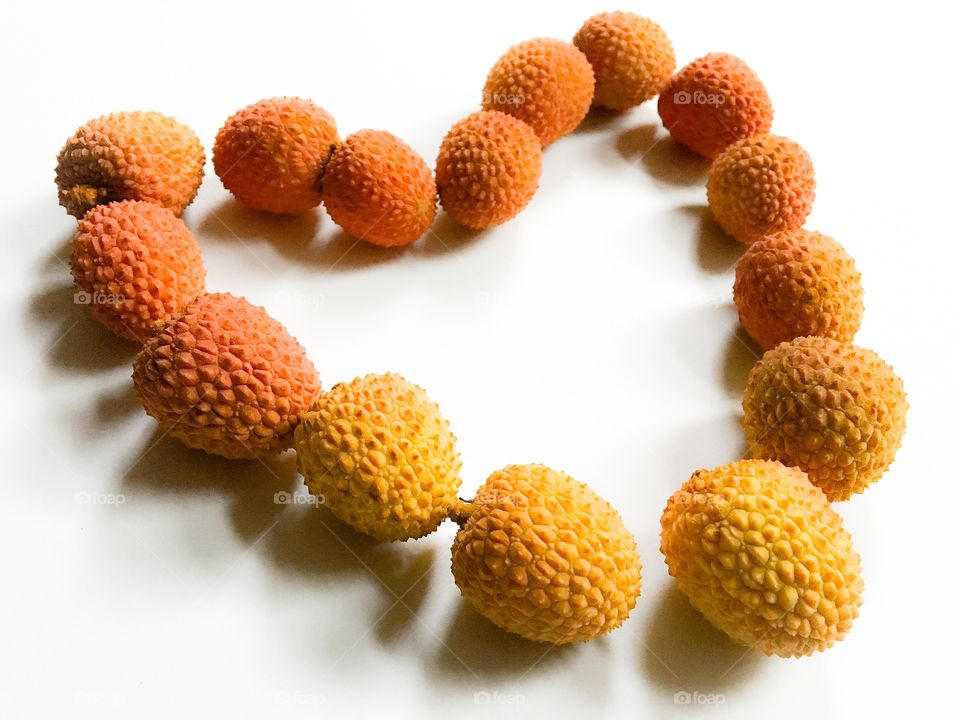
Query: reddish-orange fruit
point(760, 186)
point(378, 189)
point(135, 265)
point(130, 156)
point(798, 283)
point(271, 154)
point(713, 102)
point(227, 378)
point(544, 82)
point(488, 169)
point(631, 56)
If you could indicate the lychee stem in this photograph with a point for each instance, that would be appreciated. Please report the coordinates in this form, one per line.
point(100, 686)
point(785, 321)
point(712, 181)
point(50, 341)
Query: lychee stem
point(461, 511)
point(80, 198)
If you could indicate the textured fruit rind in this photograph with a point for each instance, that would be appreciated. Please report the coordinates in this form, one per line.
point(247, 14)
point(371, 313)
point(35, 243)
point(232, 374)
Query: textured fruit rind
point(227, 378)
point(798, 283)
point(761, 186)
point(378, 189)
point(130, 156)
point(136, 265)
point(761, 554)
point(713, 102)
point(835, 410)
point(544, 82)
point(382, 457)
point(488, 169)
point(271, 155)
point(543, 556)
point(631, 56)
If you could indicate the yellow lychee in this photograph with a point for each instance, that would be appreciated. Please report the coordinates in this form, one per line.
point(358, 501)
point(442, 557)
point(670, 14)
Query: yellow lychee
point(542, 555)
point(761, 554)
point(380, 455)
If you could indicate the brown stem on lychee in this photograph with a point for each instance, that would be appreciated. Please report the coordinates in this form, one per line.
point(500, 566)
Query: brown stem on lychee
point(80, 198)
point(461, 511)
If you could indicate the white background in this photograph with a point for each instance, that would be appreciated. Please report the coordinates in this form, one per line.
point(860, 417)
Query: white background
point(594, 333)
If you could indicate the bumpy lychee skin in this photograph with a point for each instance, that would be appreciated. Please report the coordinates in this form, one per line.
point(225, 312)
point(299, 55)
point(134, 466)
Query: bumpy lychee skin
point(542, 555)
point(227, 378)
point(130, 156)
point(378, 189)
point(382, 457)
point(761, 186)
point(631, 56)
point(488, 169)
point(713, 102)
point(135, 265)
point(544, 82)
point(271, 155)
point(836, 411)
point(761, 554)
point(798, 283)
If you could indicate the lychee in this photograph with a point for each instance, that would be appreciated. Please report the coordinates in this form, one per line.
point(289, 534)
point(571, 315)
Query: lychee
point(761, 554)
point(227, 378)
point(713, 102)
point(130, 156)
point(271, 155)
point(798, 283)
point(382, 457)
point(544, 82)
point(542, 555)
point(760, 186)
point(631, 56)
point(136, 265)
point(836, 411)
point(378, 189)
point(488, 169)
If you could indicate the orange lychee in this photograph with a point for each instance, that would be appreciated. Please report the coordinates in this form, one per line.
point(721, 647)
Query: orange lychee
point(135, 265)
point(544, 82)
point(760, 186)
point(130, 156)
point(713, 102)
point(488, 169)
point(225, 377)
point(631, 56)
point(378, 189)
point(270, 155)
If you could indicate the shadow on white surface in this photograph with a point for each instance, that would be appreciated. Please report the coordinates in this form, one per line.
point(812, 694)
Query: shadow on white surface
point(475, 648)
point(598, 120)
point(445, 237)
point(310, 544)
point(662, 156)
point(739, 357)
point(74, 341)
point(682, 652)
point(312, 239)
point(165, 466)
point(717, 252)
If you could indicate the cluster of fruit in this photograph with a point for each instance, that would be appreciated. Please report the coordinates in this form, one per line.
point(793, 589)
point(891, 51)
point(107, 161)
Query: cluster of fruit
point(754, 544)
